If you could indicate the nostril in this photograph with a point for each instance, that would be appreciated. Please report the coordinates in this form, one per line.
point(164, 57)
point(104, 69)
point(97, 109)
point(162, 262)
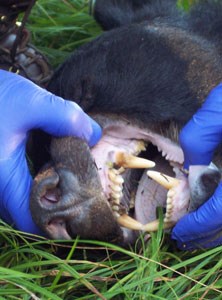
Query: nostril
point(51, 197)
point(46, 188)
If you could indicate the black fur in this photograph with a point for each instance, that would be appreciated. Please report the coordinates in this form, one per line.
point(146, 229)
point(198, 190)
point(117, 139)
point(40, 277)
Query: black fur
point(139, 63)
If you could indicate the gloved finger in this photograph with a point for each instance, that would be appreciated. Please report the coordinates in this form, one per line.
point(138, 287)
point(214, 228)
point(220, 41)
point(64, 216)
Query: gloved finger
point(15, 185)
point(204, 224)
point(206, 126)
point(30, 106)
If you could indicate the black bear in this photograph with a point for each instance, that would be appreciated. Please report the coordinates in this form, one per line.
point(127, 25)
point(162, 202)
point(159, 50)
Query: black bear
point(141, 80)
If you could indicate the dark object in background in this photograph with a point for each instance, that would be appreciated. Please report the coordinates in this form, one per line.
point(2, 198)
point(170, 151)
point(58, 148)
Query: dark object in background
point(17, 55)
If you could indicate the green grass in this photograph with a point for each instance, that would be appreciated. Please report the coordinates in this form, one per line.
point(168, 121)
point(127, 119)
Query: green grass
point(58, 27)
point(32, 268)
point(41, 269)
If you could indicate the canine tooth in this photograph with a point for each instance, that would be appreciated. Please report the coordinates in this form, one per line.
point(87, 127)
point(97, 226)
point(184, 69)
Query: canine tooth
point(128, 222)
point(164, 180)
point(130, 161)
point(153, 226)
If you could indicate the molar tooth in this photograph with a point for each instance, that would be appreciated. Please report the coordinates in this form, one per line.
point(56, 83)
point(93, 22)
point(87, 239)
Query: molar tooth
point(114, 177)
point(119, 180)
point(164, 180)
point(115, 196)
point(169, 207)
point(116, 188)
point(141, 146)
point(168, 215)
point(132, 162)
point(115, 208)
point(116, 214)
point(171, 193)
point(128, 222)
point(169, 201)
point(119, 171)
point(166, 220)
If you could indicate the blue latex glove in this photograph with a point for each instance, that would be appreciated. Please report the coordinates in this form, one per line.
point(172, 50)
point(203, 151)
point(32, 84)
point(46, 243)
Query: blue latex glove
point(199, 138)
point(25, 106)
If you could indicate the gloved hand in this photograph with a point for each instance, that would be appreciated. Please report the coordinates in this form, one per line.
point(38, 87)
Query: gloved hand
point(25, 106)
point(199, 138)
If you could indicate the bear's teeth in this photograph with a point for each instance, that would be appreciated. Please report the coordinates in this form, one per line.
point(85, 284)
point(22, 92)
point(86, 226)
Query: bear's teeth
point(116, 190)
point(114, 177)
point(164, 180)
point(126, 160)
point(154, 225)
point(128, 222)
point(169, 183)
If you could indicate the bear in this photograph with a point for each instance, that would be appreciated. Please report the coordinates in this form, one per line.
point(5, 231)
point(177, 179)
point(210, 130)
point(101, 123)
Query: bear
point(142, 79)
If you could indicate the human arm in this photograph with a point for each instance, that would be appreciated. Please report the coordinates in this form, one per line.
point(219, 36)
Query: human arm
point(199, 139)
point(25, 106)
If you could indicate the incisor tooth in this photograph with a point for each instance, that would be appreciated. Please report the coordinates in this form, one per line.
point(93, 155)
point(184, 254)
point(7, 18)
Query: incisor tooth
point(128, 222)
point(132, 162)
point(164, 180)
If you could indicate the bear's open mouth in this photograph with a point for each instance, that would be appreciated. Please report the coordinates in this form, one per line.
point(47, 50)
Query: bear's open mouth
point(117, 156)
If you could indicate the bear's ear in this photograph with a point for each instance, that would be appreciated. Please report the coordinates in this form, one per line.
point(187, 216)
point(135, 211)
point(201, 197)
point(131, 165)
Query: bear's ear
point(112, 13)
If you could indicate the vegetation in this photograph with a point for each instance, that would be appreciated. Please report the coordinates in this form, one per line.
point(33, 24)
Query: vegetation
point(36, 268)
